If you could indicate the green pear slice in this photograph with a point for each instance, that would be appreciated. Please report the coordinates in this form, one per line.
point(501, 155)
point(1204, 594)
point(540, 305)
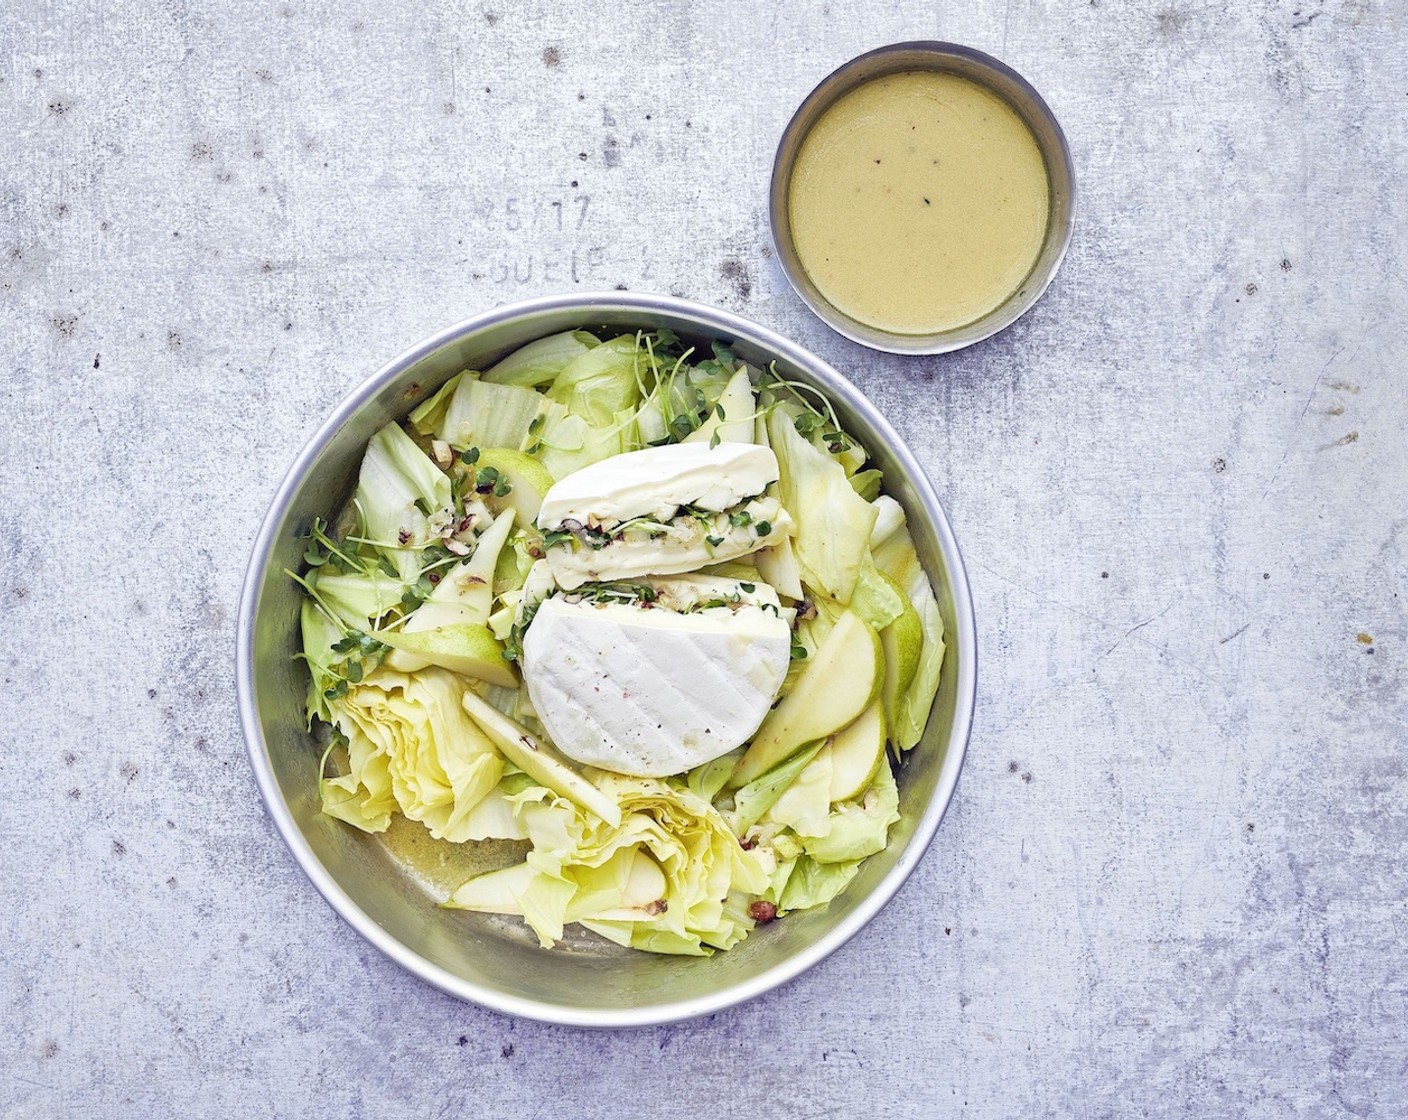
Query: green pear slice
point(732, 419)
point(902, 642)
point(465, 592)
point(528, 481)
point(835, 687)
point(855, 752)
point(466, 648)
point(539, 761)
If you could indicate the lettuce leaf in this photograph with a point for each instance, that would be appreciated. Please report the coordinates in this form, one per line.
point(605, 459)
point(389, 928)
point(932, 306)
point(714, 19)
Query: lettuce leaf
point(856, 829)
point(833, 522)
point(428, 417)
point(914, 707)
point(481, 414)
point(602, 382)
point(540, 362)
point(397, 483)
point(815, 884)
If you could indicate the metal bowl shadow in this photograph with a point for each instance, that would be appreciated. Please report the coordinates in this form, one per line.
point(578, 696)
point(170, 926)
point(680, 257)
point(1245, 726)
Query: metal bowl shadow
point(1024, 100)
point(494, 961)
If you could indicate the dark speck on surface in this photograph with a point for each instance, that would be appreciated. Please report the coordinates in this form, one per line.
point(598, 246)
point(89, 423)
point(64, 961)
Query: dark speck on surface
point(1013, 767)
point(736, 273)
point(1172, 21)
point(119, 848)
point(507, 1051)
point(151, 694)
point(1104, 575)
point(1219, 465)
point(552, 57)
point(1286, 265)
point(463, 1040)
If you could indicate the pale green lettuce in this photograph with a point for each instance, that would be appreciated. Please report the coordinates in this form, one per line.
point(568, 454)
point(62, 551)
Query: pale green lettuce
point(833, 522)
point(410, 747)
point(540, 362)
point(661, 878)
point(397, 485)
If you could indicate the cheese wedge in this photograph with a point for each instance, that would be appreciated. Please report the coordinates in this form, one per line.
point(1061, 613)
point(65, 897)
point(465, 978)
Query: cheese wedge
point(660, 511)
point(655, 482)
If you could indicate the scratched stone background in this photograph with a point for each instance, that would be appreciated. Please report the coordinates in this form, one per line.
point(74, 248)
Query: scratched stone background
point(1173, 880)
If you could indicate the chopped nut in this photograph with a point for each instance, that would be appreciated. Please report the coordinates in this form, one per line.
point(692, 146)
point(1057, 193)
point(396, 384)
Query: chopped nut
point(762, 912)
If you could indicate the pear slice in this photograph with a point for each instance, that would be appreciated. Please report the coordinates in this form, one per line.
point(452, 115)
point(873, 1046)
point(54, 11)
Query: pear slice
point(835, 687)
point(539, 761)
point(732, 419)
point(465, 592)
point(528, 481)
point(902, 641)
point(855, 752)
point(466, 648)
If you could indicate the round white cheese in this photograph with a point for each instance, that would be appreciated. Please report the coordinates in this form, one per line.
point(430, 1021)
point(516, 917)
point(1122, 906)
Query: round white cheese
point(648, 692)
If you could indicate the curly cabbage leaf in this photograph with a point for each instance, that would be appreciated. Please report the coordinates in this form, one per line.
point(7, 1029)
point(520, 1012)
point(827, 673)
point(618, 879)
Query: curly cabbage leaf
point(661, 878)
point(410, 747)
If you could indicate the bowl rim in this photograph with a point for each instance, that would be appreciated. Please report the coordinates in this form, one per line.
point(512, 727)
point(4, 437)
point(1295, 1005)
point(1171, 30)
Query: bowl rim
point(341, 902)
point(870, 66)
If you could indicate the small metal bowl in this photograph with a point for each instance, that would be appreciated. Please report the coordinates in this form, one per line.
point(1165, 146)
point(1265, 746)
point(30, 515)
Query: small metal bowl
point(486, 958)
point(992, 75)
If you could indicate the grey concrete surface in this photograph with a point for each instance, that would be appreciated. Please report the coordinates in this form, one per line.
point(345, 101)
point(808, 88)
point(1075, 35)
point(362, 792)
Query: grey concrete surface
point(1173, 880)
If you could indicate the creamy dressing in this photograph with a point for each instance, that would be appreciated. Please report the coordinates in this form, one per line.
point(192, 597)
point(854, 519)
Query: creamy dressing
point(918, 202)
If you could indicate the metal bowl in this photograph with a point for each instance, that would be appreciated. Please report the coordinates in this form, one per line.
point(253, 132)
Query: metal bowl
point(491, 960)
point(1026, 102)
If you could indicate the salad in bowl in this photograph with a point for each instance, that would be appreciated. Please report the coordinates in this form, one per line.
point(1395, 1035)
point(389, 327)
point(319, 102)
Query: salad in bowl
point(640, 619)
